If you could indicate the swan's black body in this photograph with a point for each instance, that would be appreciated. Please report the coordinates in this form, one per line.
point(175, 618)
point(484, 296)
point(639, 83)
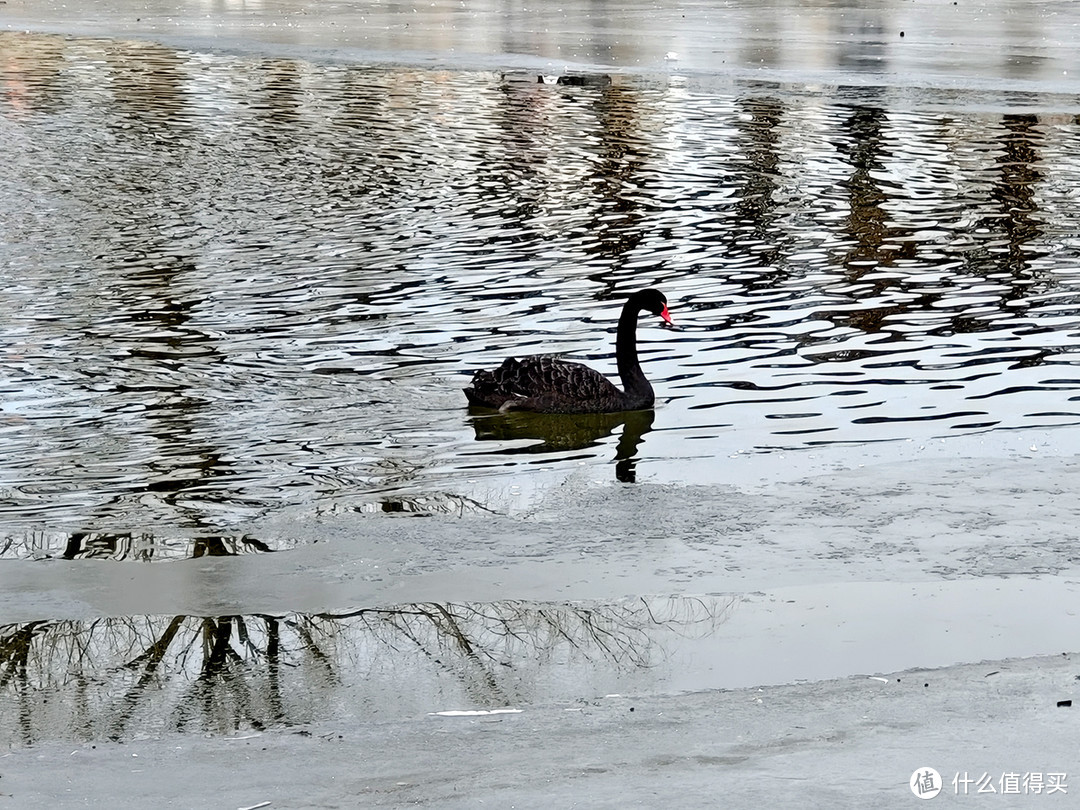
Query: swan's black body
point(548, 385)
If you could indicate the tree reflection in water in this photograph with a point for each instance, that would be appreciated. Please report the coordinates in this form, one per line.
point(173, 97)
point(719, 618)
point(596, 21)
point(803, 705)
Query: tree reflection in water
point(122, 678)
point(138, 546)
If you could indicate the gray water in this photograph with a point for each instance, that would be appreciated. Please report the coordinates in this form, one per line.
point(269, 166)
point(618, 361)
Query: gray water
point(233, 283)
point(249, 261)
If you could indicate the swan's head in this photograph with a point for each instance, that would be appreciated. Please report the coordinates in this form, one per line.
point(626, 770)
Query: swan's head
point(655, 302)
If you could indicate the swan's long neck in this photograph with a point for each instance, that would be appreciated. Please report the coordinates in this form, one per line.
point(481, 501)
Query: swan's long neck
point(635, 386)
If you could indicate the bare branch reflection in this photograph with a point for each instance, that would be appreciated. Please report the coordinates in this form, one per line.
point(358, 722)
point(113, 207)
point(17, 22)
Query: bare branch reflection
point(120, 678)
point(132, 546)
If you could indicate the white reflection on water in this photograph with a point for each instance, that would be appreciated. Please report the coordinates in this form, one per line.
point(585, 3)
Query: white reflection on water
point(237, 283)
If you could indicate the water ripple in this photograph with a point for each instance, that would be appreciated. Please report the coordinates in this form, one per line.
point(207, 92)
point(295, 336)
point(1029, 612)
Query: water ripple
point(234, 283)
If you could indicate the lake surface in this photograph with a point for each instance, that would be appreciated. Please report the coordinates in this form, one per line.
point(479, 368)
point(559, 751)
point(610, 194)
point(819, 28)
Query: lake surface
point(247, 262)
point(236, 282)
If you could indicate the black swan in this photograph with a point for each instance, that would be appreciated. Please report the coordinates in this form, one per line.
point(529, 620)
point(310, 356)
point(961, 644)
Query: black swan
point(548, 385)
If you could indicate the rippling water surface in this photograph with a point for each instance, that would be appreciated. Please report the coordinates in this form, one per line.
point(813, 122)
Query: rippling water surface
point(235, 283)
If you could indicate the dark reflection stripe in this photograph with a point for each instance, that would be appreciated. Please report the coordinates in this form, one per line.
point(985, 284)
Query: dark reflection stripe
point(923, 418)
point(1022, 389)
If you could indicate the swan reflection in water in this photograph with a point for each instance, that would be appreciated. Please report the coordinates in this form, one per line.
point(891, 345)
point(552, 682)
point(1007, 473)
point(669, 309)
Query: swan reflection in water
point(554, 433)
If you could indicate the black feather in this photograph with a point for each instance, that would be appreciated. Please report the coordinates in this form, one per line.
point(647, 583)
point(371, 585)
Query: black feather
point(546, 384)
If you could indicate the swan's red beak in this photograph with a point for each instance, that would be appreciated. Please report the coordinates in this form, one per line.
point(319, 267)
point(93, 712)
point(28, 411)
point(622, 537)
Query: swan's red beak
point(667, 316)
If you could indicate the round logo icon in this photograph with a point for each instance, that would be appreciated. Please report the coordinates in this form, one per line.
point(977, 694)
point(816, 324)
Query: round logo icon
point(925, 783)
